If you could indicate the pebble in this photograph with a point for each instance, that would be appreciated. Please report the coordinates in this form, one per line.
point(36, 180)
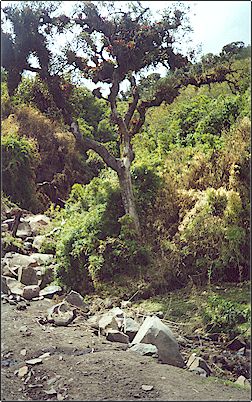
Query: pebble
point(23, 352)
point(147, 387)
point(22, 371)
point(34, 361)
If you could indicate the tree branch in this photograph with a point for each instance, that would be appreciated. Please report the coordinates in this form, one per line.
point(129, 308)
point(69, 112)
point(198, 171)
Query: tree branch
point(88, 143)
point(132, 105)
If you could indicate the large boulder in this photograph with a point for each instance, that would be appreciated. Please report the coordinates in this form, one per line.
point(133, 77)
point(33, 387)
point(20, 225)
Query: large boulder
point(42, 259)
point(13, 286)
point(50, 290)
point(37, 222)
point(14, 260)
point(76, 299)
point(29, 275)
point(154, 331)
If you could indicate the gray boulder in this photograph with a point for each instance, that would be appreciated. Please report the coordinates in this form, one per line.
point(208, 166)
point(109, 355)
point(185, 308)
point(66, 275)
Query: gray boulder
point(144, 349)
point(15, 260)
point(157, 333)
point(130, 327)
point(61, 314)
point(50, 290)
point(114, 335)
point(42, 259)
point(24, 229)
point(195, 362)
point(13, 286)
point(37, 222)
point(38, 241)
point(29, 275)
point(31, 292)
point(76, 299)
point(113, 319)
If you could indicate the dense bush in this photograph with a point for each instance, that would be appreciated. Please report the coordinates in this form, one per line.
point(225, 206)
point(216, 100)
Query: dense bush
point(221, 315)
point(95, 240)
point(19, 160)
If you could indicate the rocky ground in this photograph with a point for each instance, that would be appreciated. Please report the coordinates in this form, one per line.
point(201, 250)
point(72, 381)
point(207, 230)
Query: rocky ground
point(80, 365)
point(56, 347)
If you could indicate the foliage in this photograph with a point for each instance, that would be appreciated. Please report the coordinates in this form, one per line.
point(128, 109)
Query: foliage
point(95, 240)
point(19, 160)
point(222, 315)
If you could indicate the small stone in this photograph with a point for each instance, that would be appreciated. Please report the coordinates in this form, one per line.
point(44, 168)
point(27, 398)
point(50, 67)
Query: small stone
point(241, 380)
point(22, 371)
point(147, 387)
point(51, 391)
point(23, 352)
point(44, 356)
point(60, 397)
point(33, 362)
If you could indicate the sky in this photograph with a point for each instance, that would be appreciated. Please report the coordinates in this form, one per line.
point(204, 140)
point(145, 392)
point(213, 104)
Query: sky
point(215, 23)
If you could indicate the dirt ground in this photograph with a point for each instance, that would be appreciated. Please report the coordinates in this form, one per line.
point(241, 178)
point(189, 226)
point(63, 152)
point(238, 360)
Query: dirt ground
point(84, 367)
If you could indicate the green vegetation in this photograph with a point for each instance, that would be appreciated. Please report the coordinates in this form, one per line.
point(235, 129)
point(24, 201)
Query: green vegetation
point(148, 190)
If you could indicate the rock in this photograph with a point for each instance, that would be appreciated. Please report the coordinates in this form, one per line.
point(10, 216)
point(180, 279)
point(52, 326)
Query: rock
point(108, 303)
point(159, 314)
point(50, 290)
point(29, 275)
point(200, 371)
point(37, 222)
point(61, 314)
point(94, 321)
point(4, 227)
point(22, 371)
point(38, 241)
point(14, 286)
point(76, 299)
point(42, 259)
point(236, 344)
point(113, 319)
point(114, 335)
point(144, 349)
point(4, 287)
point(106, 322)
point(24, 229)
point(195, 362)
point(241, 380)
point(32, 362)
point(30, 292)
point(7, 270)
point(147, 387)
point(155, 332)
point(23, 352)
point(48, 275)
point(16, 260)
point(125, 304)
point(130, 327)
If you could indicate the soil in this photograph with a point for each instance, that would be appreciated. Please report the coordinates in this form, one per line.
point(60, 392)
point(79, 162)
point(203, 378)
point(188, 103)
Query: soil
point(85, 367)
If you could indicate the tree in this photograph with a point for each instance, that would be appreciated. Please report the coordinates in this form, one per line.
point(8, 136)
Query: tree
point(117, 46)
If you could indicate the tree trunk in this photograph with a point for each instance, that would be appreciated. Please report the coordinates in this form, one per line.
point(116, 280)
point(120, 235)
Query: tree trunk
point(128, 198)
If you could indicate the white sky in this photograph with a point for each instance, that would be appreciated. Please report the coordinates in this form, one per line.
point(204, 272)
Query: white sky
point(215, 23)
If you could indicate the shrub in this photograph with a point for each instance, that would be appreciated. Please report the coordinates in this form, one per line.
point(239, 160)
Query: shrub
point(19, 161)
point(221, 315)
